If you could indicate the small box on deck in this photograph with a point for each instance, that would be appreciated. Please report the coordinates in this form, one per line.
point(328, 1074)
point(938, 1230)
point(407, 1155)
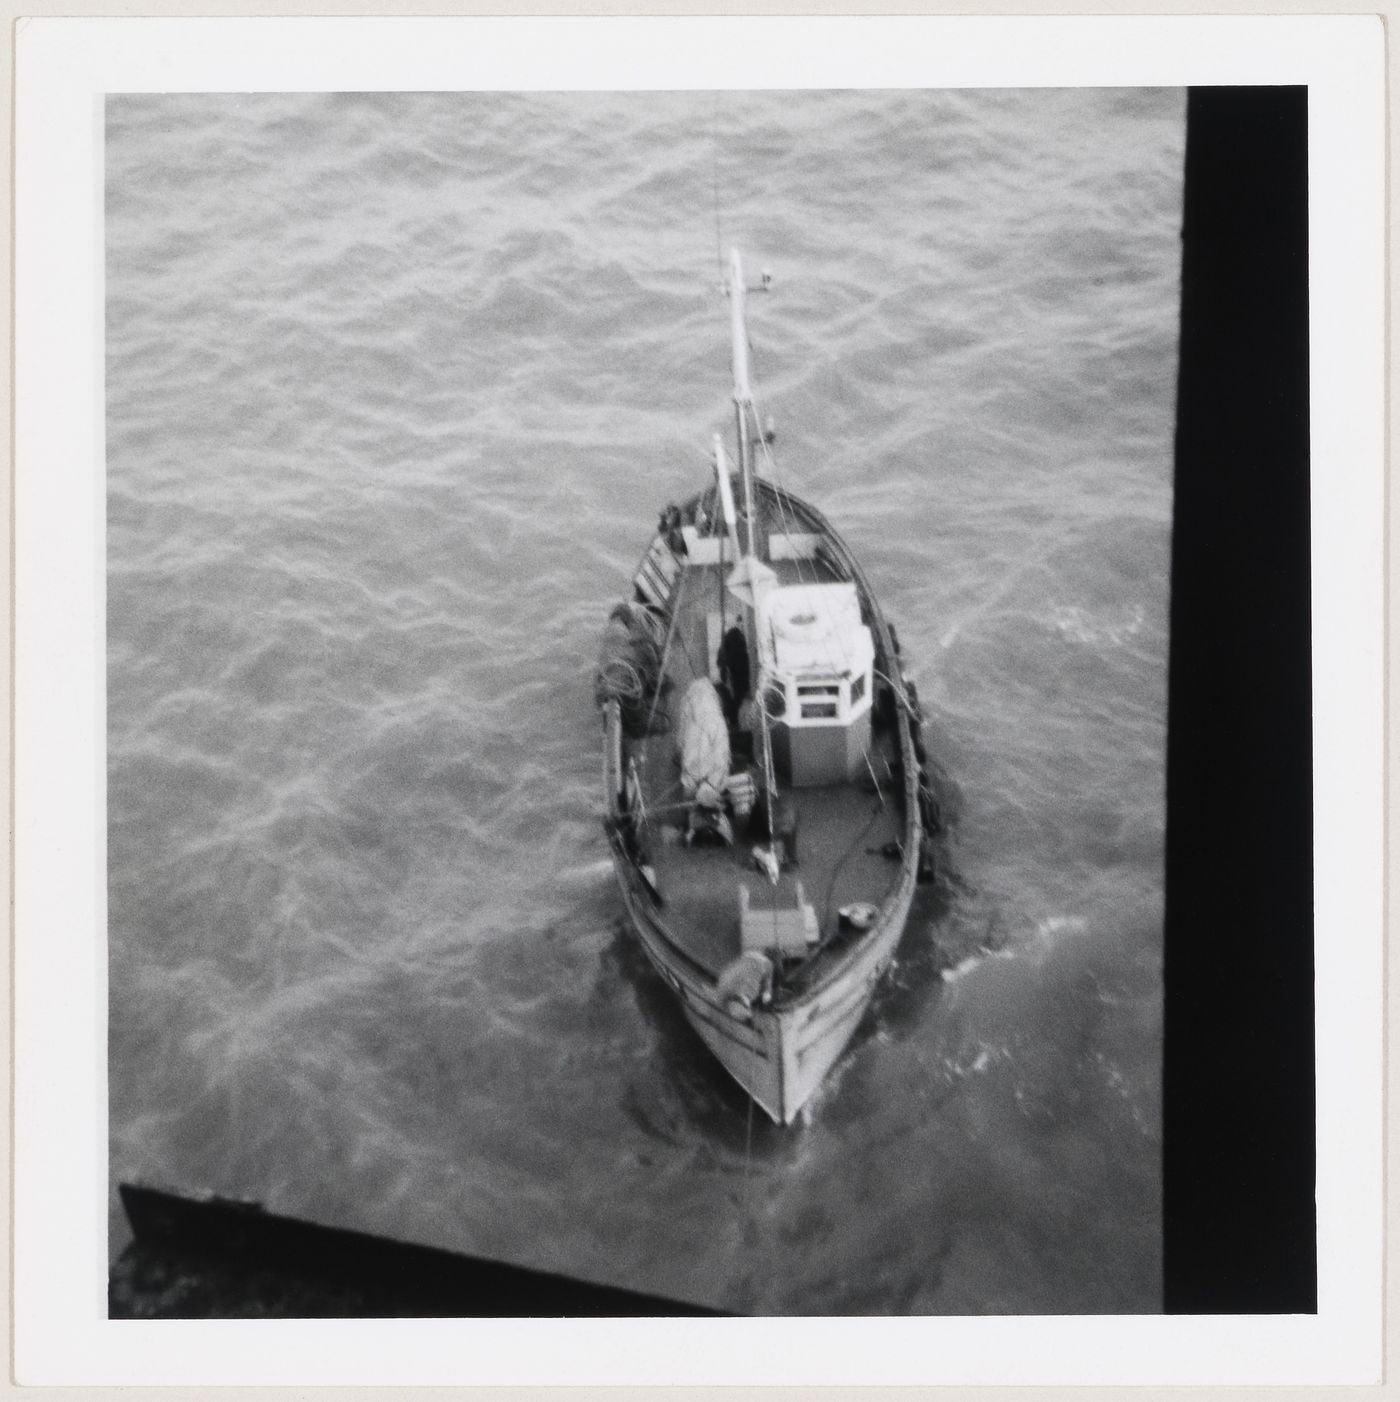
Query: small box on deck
point(789, 929)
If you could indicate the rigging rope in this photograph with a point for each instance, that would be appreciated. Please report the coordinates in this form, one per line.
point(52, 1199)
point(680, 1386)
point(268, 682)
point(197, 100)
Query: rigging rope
point(748, 1162)
point(856, 841)
point(897, 687)
point(622, 680)
point(780, 495)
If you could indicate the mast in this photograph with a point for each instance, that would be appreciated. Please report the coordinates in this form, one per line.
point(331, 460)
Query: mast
point(743, 393)
point(750, 569)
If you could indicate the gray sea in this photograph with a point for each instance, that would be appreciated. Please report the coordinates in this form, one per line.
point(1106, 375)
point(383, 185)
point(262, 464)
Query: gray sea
point(397, 386)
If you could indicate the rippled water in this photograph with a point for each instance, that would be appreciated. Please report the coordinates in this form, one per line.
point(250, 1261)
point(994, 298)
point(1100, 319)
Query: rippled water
point(397, 385)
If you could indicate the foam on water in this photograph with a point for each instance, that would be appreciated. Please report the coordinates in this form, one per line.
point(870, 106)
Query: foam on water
point(397, 385)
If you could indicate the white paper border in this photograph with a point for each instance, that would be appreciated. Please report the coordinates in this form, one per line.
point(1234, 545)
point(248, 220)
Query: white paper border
point(64, 66)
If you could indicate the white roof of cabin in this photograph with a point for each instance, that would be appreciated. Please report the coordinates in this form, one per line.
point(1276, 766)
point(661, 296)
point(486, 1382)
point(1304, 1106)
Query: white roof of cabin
point(815, 628)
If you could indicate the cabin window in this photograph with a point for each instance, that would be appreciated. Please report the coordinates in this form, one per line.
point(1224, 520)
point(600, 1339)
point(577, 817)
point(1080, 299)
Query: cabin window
point(857, 688)
point(819, 710)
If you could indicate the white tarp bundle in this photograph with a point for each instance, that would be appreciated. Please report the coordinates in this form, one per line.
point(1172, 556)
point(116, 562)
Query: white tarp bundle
point(702, 739)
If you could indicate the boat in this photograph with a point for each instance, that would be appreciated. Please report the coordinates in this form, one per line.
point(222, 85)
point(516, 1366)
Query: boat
point(768, 803)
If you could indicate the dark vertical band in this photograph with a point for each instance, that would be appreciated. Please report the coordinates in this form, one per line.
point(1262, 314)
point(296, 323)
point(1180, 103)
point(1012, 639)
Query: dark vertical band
point(1239, 1127)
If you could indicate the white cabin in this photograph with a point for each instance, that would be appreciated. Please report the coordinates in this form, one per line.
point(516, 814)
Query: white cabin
point(816, 662)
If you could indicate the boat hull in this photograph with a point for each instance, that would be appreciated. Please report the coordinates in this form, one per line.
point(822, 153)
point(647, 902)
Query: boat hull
point(779, 1053)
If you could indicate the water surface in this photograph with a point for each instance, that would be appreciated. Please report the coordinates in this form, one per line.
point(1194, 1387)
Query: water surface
point(397, 385)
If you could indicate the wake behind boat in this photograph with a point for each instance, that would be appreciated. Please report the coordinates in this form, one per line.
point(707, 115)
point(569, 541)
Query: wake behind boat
point(768, 802)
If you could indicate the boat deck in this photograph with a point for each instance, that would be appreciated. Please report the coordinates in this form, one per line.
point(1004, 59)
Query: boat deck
point(841, 828)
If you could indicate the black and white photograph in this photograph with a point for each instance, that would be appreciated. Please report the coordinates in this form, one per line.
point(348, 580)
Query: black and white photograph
point(400, 388)
point(707, 702)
